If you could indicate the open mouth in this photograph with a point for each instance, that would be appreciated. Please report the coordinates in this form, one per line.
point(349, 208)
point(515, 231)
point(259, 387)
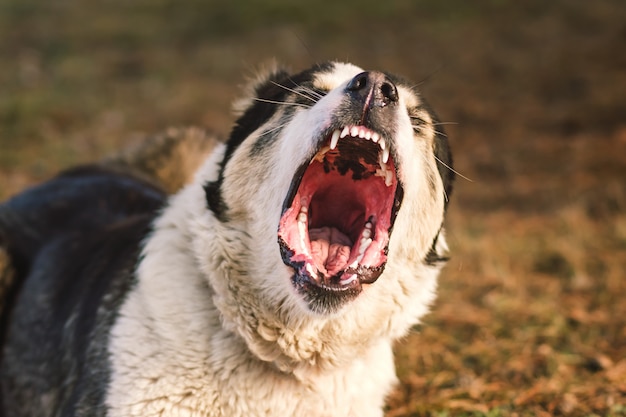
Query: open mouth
point(339, 213)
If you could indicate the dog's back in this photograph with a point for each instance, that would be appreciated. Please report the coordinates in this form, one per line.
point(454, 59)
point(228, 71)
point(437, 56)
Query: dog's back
point(68, 249)
point(85, 223)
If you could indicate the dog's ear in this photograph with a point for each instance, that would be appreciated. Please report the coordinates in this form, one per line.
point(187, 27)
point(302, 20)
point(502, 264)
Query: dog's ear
point(263, 85)
point(259, 104)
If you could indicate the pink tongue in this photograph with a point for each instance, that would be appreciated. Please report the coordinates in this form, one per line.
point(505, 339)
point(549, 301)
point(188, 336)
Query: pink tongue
point(330, 249)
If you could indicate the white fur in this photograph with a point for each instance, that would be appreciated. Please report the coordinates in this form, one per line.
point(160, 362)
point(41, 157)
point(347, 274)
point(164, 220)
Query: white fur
point(214, 326)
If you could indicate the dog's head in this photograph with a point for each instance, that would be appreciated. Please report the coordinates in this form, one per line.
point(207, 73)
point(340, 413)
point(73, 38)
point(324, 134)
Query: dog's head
point(337, 178)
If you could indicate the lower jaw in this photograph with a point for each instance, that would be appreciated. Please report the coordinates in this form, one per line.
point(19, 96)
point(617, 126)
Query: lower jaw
point(325, 299)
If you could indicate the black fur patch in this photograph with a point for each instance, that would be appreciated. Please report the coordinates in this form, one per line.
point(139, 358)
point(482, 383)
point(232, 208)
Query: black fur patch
point(433, 257)
point(275, 88)
point(444, 156)
point(75, 240)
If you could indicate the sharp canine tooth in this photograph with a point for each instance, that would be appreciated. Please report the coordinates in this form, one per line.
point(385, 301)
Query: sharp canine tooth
point(365, 243)
point(354, 131)
point(359, 259)
point(344, 132)
point(382, 144)
point(334, 139)
point(302, 230)
point(385, 154)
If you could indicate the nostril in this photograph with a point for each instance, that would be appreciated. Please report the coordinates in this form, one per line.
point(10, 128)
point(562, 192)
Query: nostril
point(389, 91)
point(374, 86)
point(359, 82)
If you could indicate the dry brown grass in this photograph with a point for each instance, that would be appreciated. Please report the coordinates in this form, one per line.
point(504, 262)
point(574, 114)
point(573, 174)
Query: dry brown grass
point(530, 318)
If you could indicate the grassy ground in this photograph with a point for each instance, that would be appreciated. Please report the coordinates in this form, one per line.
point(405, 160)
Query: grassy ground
point(530, 319)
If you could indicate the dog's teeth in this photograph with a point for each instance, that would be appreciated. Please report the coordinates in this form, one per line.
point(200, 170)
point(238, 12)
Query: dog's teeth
point(303, 219)
point(367, 233)
point(385, 153)
point(388, 178)
point(359, 259)
point(382, 144)
point(334, 139)
point(311, 270)
point(302, 215)
point(348, 280)
point(368, 225)
point(344, 132)
point(361, 133)
point(364, 244)
point(368, 135)
point(375, 137)
point(354, 131)
point(302, 230)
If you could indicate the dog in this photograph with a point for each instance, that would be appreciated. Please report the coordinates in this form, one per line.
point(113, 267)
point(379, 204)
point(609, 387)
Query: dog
point(273, 284)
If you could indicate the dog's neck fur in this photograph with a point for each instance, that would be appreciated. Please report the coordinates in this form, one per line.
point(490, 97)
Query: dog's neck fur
point(282, 332)
point(208, 336)
point(277, 336)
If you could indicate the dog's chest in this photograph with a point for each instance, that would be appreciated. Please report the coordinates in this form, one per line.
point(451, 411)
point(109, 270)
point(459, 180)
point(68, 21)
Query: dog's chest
point(216, 375)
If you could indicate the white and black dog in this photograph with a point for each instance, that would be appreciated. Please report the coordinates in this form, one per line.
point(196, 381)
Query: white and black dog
point(271, 285)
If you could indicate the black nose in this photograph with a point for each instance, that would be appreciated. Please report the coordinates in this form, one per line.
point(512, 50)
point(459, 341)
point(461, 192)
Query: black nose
point(373, 87)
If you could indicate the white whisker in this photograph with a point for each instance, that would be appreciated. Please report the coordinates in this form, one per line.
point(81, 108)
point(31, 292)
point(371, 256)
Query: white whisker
point(281, 102)
point(422, 128)
point(453, 170)
point(445, 194)
point(274, 129)
point(313, 93)
point(295, 91)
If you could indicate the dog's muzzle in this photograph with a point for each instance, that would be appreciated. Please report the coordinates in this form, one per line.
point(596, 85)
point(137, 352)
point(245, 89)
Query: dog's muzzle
point(338, 216)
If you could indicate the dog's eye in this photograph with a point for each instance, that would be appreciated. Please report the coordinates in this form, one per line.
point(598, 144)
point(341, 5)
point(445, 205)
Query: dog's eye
point(418, 123)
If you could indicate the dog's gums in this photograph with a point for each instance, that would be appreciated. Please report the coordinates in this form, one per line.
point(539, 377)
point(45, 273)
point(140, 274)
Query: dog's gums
point(335, 228)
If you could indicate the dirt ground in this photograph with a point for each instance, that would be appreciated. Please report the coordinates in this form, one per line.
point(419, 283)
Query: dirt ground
point(530, 318)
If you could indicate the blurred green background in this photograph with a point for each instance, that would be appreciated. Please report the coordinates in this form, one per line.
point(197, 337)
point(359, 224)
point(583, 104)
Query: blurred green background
point(530, 319)
point(76, 77)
